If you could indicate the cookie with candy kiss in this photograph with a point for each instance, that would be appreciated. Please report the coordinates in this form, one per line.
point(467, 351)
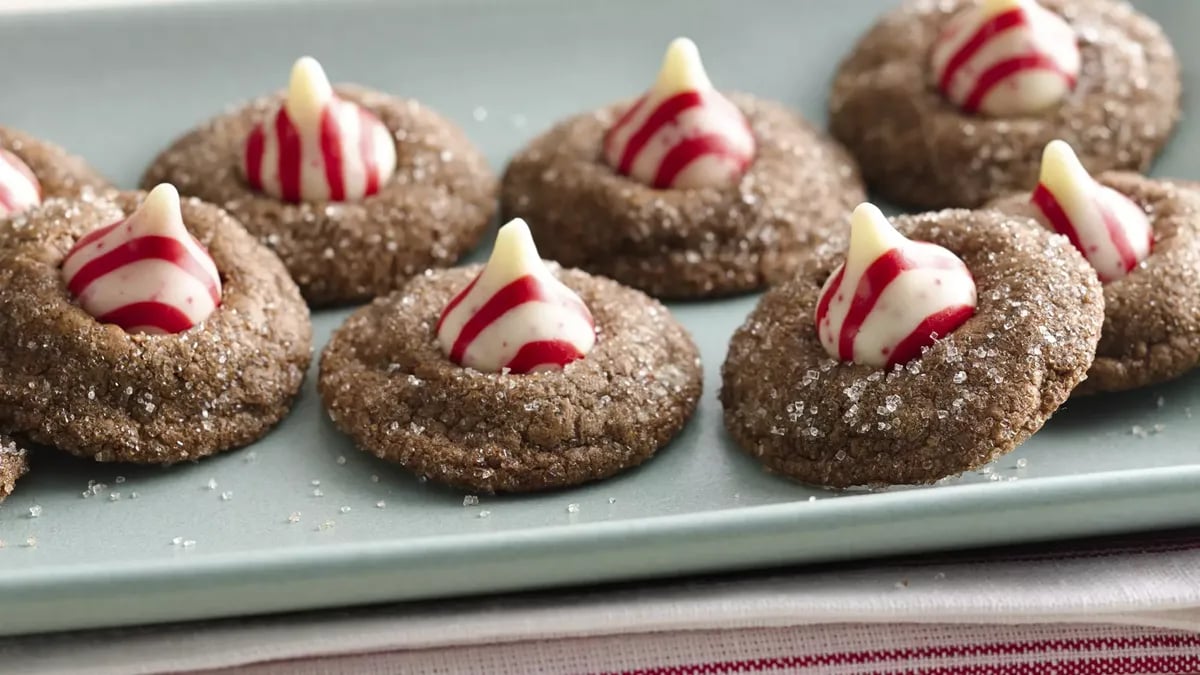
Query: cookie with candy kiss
point(515, 316)
point(683, 133)
point(318, 146)
point(33, 170)
point(145, 328)
point(949, 103)
point(912, 350)
point(1006, 58)
point(892, 297)
point(354, 189)
point(516, 375)
point(146, 273)
point(685, 191)
point(1141, 236)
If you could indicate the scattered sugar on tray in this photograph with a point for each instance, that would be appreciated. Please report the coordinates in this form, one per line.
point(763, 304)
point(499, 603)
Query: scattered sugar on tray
point(293, 517)
point(318, 492)
point(374, 478)
point(480, 113)
point(133, 495)
point(484, 514)
point(572, 508)
point(1160, 402)
point(211, 484)
point(345, 509)
point(226, 496)
point(315, 482)
point(612, 500)
point(1022, 463)
point(1139, 431)
point(327, 525)
point(250, 456)
point(189, 543)
point(114, 496)
point(35, 511)
point(30, 542)
point(176, 541)
point(119, 480)
point(341, 459)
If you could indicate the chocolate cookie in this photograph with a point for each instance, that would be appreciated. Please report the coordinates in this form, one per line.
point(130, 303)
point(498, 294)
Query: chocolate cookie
point(13, 465)
point(57, 173)
point(434, 208)
point(919, 149)
point(94, 390)
point(688, 228)
point(968, 398)
point(1152, 315)
point(386, 383)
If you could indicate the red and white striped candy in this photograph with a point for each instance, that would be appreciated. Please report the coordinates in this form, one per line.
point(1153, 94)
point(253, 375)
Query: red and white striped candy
point(515, 316)
point(682, 133)
point(892, 296)
point(19, 188)
point(146, 274)
point(318, 147)
point(1108, 228)
point(1006, 57)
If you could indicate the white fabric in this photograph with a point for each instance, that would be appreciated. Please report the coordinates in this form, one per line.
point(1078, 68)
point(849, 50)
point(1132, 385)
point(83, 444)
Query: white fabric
point(1147, 582)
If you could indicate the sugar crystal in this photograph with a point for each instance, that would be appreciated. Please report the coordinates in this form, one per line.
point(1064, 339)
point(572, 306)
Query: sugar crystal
point(380, 504)
point(484, 514)
point(470, 500)
point(211, 484)
point(572, 508)
point(345, 509)
point(35, 511)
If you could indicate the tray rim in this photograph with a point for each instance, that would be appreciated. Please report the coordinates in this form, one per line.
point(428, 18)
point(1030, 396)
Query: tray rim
point(753, 537)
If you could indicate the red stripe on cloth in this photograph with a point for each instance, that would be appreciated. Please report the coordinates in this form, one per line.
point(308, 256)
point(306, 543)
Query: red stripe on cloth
point(290, 156)
point(542, 352)
point(136, 250)
point(157, 314)
point(942, 323)
point(1001, 71)
point(684, 153)
point(991, 28)
point(256, 147)
point(366, 151)
point(664, 114)
point(1048, 204)
point(331, 155)
point(523, 290)
point(897, 660)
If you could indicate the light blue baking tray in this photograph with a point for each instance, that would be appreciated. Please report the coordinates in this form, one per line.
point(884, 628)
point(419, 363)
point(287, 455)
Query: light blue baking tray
point(117, 85)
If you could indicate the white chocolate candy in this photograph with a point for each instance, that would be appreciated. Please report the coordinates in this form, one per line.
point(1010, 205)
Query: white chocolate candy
point(682, 133)
point(1005, 58)
point(147, 274)
point(318, 147)
point(892, 296)
point(1111, 231)
point(19, 188)
point(516, 316)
